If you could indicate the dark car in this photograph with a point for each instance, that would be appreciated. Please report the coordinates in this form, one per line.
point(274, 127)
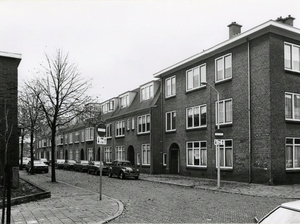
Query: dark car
point(285, 213)
point(123, 169)
point(69, 164)
point(94, 167)
point(59, 164)
point(39, 166)
point(81, 166)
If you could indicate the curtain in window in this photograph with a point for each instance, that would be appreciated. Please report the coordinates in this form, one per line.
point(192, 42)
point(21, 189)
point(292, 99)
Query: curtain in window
point(228, 109)
point(203, 115)
point(190, 154)
point(220, 69)
point(289, 157)
point(174, 120)
point(196, 81)
point(196, 117)
point(221, 112)
point(288, 106)
point(296, 58)
point(168, 87)
point(197, 156)
point(297, 106)
point(228, 70)
point(203, 157)
point(173, 86)
point(148, 123)
point(222, 155)
point(190, 80)
point(148, 154)
point(297, 157)
point(287, 56)
point(202, 74)
point(190, 117)
point(228, 157)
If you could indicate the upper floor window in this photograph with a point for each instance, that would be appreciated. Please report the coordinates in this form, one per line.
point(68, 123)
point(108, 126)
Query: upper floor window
point(170, 86)
point(146, 92)
point(128, 124)
point(132, 123)
point(292, 57)
point(226, 154)
point(89, 134)
point(195, 76)
point(292, 106)
point(82, 136)
point(76, 140)
point(196, 154)
point(196, 117)
point(171, 121)
point(60, 139)
point(144, 124)
point(120, 128)
point(70, 138)
point(224, 112)
point(124, 101)
point(292, 153)
point(104, 108)
point(108, 131)
point(66, 138)
point(223, 68)
point(111, 105)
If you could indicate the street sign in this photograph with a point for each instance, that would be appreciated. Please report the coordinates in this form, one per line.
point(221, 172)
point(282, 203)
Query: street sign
point(101, 129)
point(219, 133)
point(219, 142)
point(101, 140)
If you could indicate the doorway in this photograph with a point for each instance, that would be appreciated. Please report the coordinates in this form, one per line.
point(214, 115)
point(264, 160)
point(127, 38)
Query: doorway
point(66, 155)
point(81, 154)
point(174, 159)
point(130, 154)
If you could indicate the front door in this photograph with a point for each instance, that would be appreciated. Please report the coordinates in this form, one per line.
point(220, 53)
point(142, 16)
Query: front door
point(130, 154)
point(174, 161)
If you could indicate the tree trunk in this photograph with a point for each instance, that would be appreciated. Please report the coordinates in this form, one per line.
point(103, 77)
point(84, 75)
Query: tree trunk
point(31, 171)
point(53, 155)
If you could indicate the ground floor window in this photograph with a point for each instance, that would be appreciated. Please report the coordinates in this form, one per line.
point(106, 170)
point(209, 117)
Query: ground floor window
point(61, 154)
point(226, 154)
point(71, 154)
point(138, 159)
point(196, 153)
point(146, 154)
point(120, 152)
point(90, 154)
point(164, 159)
point(292, 153)
point(77, 155)
point(107, 154)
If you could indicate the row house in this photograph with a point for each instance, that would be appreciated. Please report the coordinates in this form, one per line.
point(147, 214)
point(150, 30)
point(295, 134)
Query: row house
point(167, 126)
point(257, 77)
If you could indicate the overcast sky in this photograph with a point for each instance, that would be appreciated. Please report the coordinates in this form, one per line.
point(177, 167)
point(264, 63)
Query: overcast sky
point(121, 44)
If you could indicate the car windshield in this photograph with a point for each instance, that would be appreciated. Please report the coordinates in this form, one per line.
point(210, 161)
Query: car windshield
point(97, 163)
point(282, 215)
point(84, 162)
point(38, 162)
point(125, 164)
point(72, 161)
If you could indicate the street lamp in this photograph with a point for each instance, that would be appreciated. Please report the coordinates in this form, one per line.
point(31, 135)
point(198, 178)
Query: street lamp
point(218, 128)
point(21, 132)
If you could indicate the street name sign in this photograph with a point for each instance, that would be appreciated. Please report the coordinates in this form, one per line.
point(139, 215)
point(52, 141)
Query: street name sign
point(101, 140)
point(219, 142)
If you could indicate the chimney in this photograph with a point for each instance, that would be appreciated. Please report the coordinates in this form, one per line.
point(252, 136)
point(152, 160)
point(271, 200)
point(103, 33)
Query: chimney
point(234, 29)
point(280, 20)
point(289, 20)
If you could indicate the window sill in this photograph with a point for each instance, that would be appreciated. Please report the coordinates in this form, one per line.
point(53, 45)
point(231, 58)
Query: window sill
point(170, 97)
point(223, 81)
point(196, 167)
point(170, 132)
point(145, 166)
point(294, 72)
point(144, 133)
point(296, 170)
point(194, 90)
point(229, 169)
point(196, 129)
point(292, 121)
point(224, 125)
point(120, 136)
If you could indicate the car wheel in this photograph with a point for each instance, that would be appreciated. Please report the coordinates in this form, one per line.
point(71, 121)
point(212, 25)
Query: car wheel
point(137, 177)
point(121, 176)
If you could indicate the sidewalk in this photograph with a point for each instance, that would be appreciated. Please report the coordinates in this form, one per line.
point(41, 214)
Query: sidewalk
point(68, 204)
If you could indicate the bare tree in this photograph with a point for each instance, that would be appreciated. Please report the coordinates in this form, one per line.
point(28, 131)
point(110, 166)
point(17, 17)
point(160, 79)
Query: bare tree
point(63, 94)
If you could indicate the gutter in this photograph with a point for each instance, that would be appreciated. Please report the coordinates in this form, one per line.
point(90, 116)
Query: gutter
point(249, 113)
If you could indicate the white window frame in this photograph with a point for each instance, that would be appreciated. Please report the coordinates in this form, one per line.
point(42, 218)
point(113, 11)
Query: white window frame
point(224, 154)
point(170, 90)
point(66, 138)
point(124, 100)
point(199, 107)
point(294, 160)
point(223, 107)
point(164, 159)
point(138, 159)
point(89, 134)
point(143, 123)
point(128, 124)
point(120, 128)
point(120, 152)
point(200, 73)
point(71, 138)
point(111, 106)
point(145, 148)
point(202, 157)
point(60, 139)
point(71, 154)
point(223, 59)
point(83, 135)
point(132, 123)
point(90, 154)
point(107, 154)
point(108, 132)
point(291, 56)
point(171, 114)
point(293, 109)
point(146, 92)
point(76, 140)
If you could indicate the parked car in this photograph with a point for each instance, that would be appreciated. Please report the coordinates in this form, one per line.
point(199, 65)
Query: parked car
point(59, 164)
point(123, 169)
point(45, 161)
point(81, 166)
point(94, 167)
point(39, 166)
point(285, 213)
point(69, 164)
point(25, 160)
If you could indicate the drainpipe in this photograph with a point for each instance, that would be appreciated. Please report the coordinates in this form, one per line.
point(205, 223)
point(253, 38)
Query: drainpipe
point(249, 113)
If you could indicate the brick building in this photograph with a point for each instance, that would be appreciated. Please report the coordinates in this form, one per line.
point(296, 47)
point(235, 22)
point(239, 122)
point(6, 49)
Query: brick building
point(168, 125)
point(9, 63)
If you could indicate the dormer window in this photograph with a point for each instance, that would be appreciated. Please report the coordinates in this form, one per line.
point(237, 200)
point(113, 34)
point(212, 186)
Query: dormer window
point(146, 92)
point(124, 101)
point(104, 108)
point(111, 105)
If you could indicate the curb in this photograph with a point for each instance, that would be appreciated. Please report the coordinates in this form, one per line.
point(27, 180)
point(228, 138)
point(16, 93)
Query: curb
point(170, 183)
point(31, 197)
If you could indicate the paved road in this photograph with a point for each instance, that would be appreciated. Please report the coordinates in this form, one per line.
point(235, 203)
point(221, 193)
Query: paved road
point(149, 202)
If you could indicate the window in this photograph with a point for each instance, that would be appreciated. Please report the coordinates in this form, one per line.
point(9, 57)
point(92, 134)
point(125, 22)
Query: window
point(292, 106)
point(104, 108)
point(144, 124)
point(196, 117)
point(108, 131)
point(146, 154)
point(292, 57)
point(66, 138)
point(120, 152)
point(124, 101)
point(146, 92)
point(292, 153)
point(89, 134)
point(82, 136)
point(224, 113)
point(77, 155)
point(170, 86)
point(164, 159)
point(128, 124)
point(90, 154)
point(196, 154)
point(171, 121)
point(138, 159)
point(70, 138)
point(226, 155)
point(60, 139)
point(223, 68)
point(132, 123)
point(120, 128)
point(195, 76)
point(76, 140)
point(107, 154)
point(111, 105)
point(71, 154)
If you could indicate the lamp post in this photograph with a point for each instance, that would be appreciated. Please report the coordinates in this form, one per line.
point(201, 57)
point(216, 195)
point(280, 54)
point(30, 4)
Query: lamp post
point(21, 129)
point(218, 128)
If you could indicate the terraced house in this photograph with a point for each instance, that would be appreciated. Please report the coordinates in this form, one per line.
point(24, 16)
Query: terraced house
point(168, 125)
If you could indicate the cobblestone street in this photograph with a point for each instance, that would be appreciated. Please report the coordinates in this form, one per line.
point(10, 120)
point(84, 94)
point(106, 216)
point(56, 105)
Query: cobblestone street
point(149, 202)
